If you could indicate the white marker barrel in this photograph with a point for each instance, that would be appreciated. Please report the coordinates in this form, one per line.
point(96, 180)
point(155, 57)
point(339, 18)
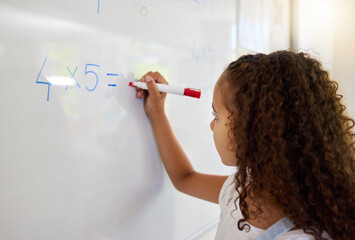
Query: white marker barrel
point(191, 92)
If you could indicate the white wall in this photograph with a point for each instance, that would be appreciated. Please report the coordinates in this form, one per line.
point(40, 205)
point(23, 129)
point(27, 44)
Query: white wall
point(325, 29)
point(344, 51)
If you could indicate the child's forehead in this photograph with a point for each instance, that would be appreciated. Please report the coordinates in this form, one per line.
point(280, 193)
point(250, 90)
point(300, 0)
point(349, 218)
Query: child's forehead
point(222, 93)
point(216, 95)
point(217, 101)
point(222, 82)
point(221, 78)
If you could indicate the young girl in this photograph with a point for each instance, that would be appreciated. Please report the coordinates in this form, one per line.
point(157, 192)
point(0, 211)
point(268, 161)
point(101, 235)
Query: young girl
point(279, 119)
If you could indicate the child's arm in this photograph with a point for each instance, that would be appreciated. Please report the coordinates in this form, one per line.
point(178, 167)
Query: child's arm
point(176, 163)
point(178, 166)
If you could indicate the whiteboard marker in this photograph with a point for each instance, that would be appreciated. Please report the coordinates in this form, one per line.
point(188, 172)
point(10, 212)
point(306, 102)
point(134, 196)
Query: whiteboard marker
point(191, 92)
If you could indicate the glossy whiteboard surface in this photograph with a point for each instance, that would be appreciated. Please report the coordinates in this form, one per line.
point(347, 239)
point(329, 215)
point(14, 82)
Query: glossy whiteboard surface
point(78, 159)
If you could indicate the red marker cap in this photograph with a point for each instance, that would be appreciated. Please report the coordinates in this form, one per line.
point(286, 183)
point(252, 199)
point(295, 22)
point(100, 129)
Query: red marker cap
point(192, 92)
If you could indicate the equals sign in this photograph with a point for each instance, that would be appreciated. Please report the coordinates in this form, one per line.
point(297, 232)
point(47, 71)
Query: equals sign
point(112, 74)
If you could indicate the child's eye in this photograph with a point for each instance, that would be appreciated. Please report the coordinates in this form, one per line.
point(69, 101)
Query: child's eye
point(214, 115)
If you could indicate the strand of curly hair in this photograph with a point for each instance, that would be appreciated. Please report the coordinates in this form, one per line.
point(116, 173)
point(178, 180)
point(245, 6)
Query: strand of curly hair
point(293, 141)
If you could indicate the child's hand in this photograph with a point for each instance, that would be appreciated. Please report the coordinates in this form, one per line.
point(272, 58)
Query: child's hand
point(153, 99)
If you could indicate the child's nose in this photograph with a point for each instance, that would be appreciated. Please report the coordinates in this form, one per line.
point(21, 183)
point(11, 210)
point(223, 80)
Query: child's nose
point(212, 125)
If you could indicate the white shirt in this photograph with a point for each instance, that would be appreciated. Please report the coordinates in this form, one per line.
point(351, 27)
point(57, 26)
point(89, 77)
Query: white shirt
point(228, 225)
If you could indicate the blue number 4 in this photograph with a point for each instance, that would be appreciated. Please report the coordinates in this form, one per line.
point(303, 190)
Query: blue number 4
point(48, 83)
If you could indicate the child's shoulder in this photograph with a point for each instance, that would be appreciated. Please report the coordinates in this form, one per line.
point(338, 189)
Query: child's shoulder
point(228, 188)
point(298, 234)
point(227, 192)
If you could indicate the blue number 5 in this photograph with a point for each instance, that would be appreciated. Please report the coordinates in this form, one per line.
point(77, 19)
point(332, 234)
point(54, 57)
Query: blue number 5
point(92, 72)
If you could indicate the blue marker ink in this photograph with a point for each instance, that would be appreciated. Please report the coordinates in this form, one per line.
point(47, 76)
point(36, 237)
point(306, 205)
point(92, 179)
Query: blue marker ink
point(48, 83)
point(112, 74)
point(195, 53)
point(92, 72)
point(212, 52)
point(72, 75)
point(204, 53)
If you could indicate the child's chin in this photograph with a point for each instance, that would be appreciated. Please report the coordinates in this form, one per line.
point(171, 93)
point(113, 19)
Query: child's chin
point(229, 164)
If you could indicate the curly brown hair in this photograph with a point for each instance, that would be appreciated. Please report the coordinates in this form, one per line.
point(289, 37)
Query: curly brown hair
point(293, 141)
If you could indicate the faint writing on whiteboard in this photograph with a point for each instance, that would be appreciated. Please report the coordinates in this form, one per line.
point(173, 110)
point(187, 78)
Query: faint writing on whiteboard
point(203, 53)
point(254, 25)
point(137, 7)
point(91, 78)
point(212, 5)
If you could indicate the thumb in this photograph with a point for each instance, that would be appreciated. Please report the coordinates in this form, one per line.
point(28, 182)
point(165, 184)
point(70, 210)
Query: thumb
point(152, 88)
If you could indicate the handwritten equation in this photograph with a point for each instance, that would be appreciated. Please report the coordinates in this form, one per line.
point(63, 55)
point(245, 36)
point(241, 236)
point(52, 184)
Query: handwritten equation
point(91, 78)
point(212, 5)
point(205, 52)
point(137, 7)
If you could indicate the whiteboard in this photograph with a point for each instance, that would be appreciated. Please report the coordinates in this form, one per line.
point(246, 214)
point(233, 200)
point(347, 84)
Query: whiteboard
point(263, 26)
point(78, 159)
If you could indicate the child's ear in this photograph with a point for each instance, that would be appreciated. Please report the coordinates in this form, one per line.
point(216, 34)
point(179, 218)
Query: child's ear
point(230, 121)
point(232, 145)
